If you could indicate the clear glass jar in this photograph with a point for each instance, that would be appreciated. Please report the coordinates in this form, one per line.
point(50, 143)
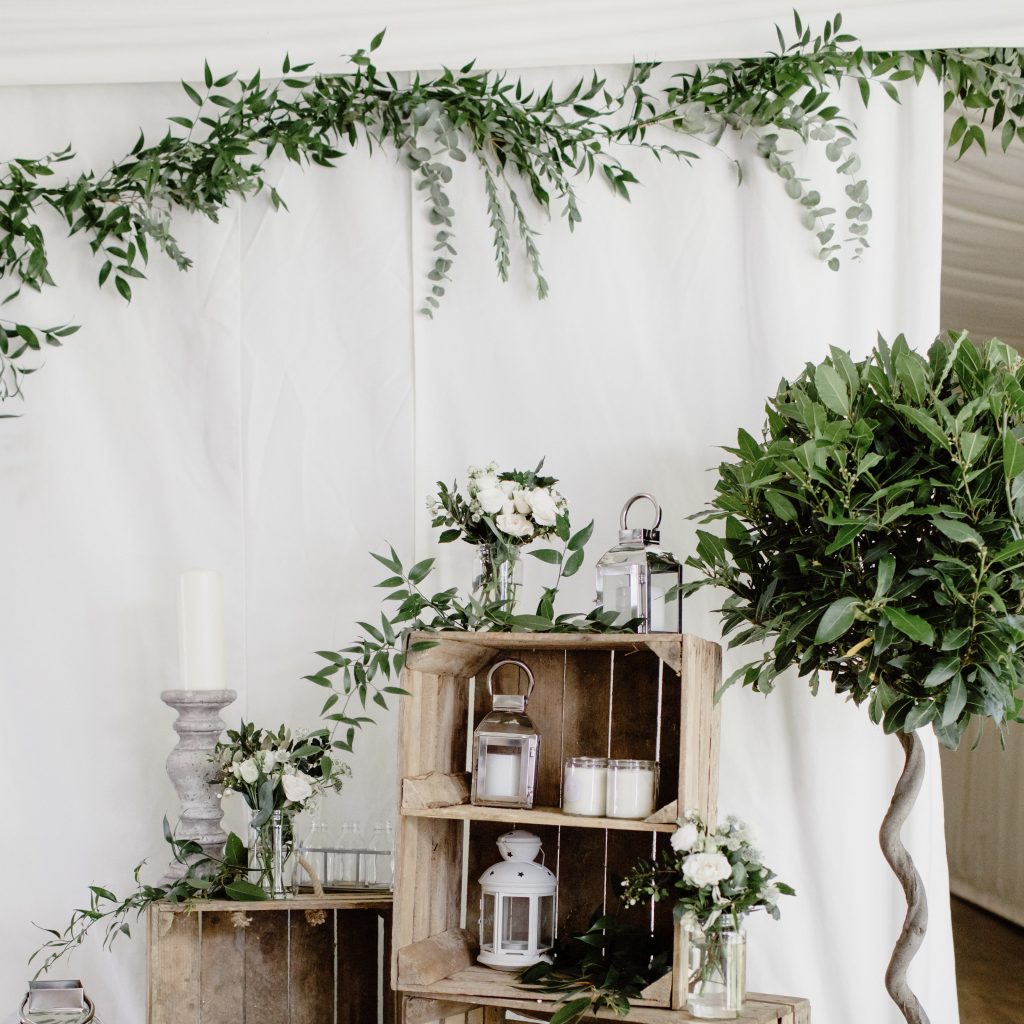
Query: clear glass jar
point(632, 788)
point(717, 970)
point(585, 786)
point(498, 575)
point(343, 860)
point(314, 848)
point(379, 857)
point(271, 854)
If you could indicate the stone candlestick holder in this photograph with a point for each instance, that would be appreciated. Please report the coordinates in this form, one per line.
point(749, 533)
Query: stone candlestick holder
point(193, 773)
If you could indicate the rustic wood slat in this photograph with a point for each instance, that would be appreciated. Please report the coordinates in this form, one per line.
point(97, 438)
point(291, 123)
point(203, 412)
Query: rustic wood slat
point(358, 973)
point(222, 968)
point(311, 981)
point(536, 816)
point(435, 789)
point(417, 1010)
point(368, 900)
point(173, 967)
point(434, 958)
point(265, 1000)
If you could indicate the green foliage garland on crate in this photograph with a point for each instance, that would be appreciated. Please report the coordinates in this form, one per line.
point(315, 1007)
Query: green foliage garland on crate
point(528, 145)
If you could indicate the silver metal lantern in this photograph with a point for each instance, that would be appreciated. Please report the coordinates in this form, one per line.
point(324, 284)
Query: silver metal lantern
point(640, 581)
point(50, 1001)
point(517, 905)
point(506, 746)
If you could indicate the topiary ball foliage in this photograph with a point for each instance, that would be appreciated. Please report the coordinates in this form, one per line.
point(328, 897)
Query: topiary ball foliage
point(875, 532)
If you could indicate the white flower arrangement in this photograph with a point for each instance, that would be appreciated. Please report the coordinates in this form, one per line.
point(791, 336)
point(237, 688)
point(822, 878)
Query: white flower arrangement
point(278, 770)
point(509, 507)
point(715, 875)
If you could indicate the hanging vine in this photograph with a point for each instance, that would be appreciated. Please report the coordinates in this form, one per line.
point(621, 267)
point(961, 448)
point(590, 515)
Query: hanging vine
point(531, 146)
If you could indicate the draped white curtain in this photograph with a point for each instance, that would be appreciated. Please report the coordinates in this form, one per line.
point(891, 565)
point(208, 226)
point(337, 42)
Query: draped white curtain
point(281, 410)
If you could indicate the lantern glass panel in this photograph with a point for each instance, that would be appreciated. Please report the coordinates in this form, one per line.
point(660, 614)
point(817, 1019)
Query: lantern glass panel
point(487, 921)
point(546, 916)
point(515, 922)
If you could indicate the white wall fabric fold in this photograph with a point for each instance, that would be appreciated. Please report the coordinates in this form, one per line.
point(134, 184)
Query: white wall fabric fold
point(280, 411)
point(71, 41)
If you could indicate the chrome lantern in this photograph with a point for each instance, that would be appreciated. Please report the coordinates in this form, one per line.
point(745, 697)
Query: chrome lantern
point(506, 747)
point(638, 580)
point(517, 906)
point(51, 1001)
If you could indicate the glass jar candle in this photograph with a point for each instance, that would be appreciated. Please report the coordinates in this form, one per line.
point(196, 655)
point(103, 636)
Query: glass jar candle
point(585, 786)
point(631, 788)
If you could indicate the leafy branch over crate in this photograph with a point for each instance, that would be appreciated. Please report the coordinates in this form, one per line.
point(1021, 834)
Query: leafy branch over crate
point(530, 146)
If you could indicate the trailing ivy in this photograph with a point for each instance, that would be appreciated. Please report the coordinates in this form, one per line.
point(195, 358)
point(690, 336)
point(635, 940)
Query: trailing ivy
point(531, 146)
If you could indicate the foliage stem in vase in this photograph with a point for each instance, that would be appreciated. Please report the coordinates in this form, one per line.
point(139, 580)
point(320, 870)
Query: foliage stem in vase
point(278, 774)
point(717, 877)
point(500, 513)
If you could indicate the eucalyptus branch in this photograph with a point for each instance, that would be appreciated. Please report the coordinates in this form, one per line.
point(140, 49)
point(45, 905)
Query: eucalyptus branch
point(535, 142)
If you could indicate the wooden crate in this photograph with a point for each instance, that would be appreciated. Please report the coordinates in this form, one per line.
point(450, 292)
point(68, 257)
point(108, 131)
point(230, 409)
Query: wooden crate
point(617, 695)
point(758, 1009)
point(310, 960)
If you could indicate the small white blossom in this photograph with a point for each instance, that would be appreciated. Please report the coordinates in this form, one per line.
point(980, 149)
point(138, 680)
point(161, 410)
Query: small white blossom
point(297, 787)
point(544, 506)
point(491, 499)
point(247, 771)
point(514, 524)
point(684, 838)
point(704, 869)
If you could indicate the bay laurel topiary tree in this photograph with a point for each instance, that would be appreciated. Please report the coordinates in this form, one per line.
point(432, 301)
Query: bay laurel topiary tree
point(875, 532)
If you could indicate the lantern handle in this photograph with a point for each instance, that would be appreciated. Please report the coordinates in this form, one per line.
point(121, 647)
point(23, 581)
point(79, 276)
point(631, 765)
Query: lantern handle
point(510, 661)
point(632, 501)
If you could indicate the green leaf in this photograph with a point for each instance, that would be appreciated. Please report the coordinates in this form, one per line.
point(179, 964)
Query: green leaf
point(955, 702)
point(957, 531)
point(549, 555)
point(838, 618)
point(579, 540)
point(573, 564)
point(886, 571)
point(243, 890)
point(781, 505)
point(1013, 456)
point(421, 570)
point(911, 625)
point(832, 390)
point(925, 423)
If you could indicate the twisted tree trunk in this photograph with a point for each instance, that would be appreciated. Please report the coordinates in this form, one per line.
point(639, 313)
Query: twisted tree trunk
point(900, 861)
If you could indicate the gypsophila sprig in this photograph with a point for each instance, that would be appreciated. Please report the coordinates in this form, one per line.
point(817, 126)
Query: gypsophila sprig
point(715, 876)
point(532, 147)
point(279, 770)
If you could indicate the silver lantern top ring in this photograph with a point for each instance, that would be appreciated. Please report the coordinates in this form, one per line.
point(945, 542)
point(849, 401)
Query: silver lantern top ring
point(647, 534)
point(515, 697)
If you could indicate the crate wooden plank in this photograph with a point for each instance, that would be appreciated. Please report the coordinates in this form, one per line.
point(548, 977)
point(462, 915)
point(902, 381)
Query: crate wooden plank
point(222, 967)
point(311, 981)
point(362, 900)
point(538, 816)
point(359, 975)
point(267, 965)
point(437, 957)
point(427, 1011)
point(449, 643)
point(698, 768)
point(174, 972)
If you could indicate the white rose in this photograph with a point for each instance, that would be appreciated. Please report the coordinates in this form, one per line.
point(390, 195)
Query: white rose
point(248, 771)
point(545, 508)
point(514, 524)
point(509, 487)
point(522, 502)
point(297, 787)
point(486, 482)
point(684, 837)
point(704, 869)
point(491, 499)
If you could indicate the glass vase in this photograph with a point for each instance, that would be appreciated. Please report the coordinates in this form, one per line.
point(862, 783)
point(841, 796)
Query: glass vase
point(498, 575)
point(272, 854)
point(717, 970)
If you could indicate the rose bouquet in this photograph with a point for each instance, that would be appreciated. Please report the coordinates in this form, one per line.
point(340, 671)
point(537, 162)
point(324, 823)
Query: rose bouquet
point(277, 774)
point(501, 512)
point(716, 877)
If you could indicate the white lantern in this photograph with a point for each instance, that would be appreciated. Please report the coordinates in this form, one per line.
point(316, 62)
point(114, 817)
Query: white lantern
point(505, 749)
point(517, 906)
point(640, 581)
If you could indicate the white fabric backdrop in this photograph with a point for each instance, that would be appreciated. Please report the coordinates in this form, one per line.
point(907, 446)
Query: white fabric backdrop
point(281, 410)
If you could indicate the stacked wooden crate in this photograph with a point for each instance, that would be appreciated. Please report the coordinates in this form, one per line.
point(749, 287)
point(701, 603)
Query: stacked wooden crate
point(616, 696)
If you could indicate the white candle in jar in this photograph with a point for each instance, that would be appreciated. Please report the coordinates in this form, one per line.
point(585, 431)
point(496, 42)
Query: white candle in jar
point(502, 772)
point(201, 630)
point(585, 786)
point(631, 788)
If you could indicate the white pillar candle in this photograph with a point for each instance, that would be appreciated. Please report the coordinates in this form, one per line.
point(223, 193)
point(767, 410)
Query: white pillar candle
point(631, 788)
point(502, 773)
point(201, 630)
point(585, 786)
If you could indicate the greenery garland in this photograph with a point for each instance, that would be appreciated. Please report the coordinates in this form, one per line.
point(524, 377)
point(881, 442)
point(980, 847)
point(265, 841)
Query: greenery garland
point(526, 144)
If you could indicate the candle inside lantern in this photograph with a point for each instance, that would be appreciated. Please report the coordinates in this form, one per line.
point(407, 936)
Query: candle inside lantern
point(585, 786)
point(201, 630)
point(631, 788)
point(502, 770)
